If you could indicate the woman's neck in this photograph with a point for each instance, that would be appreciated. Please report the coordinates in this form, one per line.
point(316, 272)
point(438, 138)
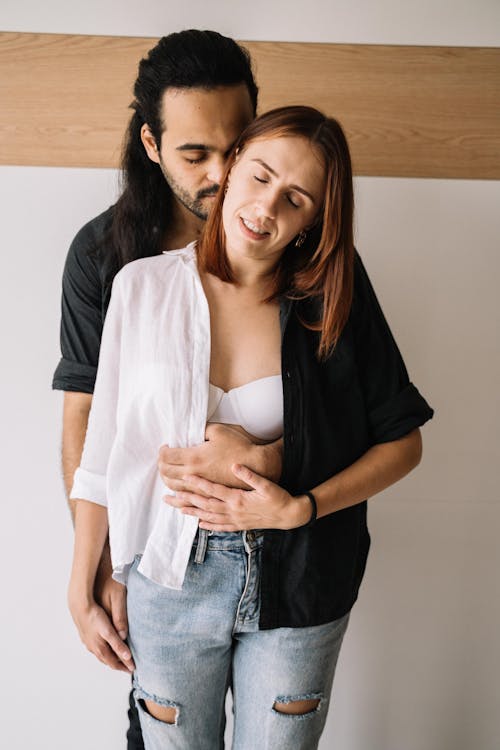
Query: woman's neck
point(252, 274)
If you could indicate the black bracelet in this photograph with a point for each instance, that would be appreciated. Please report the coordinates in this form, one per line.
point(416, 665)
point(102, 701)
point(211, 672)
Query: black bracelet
point(314, 510)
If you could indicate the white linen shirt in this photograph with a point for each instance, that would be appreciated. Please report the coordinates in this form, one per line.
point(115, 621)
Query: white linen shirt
point(151, 389)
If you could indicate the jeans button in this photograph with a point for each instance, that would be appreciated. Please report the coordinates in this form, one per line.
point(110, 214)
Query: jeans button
point(250, 536)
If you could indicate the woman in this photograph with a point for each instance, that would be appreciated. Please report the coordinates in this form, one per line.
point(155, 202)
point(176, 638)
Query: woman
point(269, 324)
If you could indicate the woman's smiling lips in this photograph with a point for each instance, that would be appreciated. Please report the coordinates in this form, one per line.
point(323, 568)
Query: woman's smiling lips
point(246, 225)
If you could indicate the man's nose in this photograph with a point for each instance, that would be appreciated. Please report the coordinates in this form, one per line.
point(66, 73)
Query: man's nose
point(215, 169)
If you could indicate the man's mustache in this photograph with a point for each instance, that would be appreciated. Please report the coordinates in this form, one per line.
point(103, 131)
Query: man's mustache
point(208, 191)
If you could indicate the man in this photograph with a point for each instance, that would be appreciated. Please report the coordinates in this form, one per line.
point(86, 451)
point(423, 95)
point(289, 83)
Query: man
point(194, 94)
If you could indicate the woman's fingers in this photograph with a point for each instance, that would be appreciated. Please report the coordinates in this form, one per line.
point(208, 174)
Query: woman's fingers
point(111, 637)
point(229, 509)
point(220, 491)
point(191, 501)
point(177, 485)
point(259, 483)
point(108, 657)
point(211, 489)
point(101, 639)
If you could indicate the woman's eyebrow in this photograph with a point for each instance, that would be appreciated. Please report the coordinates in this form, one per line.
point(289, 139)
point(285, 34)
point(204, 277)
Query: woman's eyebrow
point(293, 187)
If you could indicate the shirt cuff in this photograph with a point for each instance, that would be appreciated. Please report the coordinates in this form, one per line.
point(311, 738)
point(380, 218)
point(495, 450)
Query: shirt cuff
point(397, 417)
point(74, 376)
point(89, 486)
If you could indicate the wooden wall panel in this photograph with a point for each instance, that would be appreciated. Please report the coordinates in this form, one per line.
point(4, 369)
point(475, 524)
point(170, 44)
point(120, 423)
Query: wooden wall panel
point(407, 111)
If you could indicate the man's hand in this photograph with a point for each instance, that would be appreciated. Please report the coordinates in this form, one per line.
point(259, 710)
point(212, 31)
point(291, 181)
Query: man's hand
point(111, 595)
point(224, 446)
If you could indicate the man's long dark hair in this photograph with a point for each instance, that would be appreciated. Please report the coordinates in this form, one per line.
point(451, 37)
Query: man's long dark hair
point(187, 59)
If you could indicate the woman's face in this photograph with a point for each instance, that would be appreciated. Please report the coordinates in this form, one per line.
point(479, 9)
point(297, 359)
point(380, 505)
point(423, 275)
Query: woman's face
point(275, 190)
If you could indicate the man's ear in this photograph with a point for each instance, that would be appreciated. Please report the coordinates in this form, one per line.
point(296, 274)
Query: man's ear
point(149, 143)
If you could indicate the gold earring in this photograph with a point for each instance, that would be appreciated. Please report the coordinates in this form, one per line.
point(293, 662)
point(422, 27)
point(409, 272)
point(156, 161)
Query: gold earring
point(300, 238)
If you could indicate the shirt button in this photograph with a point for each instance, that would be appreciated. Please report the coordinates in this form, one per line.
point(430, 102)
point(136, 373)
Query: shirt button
point(291, 438)
point(288, 374)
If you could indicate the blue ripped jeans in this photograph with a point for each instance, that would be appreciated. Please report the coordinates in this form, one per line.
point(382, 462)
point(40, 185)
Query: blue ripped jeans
point(189, 646)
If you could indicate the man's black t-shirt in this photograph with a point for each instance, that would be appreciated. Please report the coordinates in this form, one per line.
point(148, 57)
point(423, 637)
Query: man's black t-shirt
point(86, 290)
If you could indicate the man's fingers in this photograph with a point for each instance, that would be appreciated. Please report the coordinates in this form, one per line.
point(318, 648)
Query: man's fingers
point(172, 475)
point(174, 456)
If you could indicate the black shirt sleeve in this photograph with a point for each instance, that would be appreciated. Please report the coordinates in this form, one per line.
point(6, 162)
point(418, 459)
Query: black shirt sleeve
point(393, 404)
point(82, 309)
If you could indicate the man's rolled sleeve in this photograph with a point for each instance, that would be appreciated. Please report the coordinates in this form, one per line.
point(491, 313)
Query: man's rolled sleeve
point(81, 313)
point(74, 376)
point(393, 404)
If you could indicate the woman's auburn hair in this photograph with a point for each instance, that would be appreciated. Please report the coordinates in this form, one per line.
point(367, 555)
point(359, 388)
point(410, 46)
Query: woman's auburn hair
point(322, 269)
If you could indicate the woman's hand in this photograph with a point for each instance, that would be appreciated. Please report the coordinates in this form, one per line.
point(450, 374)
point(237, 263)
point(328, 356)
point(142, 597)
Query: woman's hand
point(98, 634)
point(220, 508)
point(111, 595)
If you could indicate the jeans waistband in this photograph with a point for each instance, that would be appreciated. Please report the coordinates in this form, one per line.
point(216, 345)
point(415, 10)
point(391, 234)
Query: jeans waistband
point(226, 540)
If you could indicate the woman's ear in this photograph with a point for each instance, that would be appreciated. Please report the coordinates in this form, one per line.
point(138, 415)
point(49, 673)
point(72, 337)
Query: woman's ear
point(235, 162)
point(149, 143)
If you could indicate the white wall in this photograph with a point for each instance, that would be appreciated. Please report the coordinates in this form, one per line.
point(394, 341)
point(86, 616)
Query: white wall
point(454, 22)
point(420, 665)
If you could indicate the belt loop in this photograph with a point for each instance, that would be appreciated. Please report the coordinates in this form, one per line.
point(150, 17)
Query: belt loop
point(201, 547)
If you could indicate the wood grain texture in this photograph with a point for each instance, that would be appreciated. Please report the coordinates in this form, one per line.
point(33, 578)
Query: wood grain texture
point(407, 111)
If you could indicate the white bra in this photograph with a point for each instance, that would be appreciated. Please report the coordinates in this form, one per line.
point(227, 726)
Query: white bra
point(256, 406)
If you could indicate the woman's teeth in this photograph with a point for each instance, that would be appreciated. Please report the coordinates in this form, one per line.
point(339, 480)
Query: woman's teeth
point(253, 227)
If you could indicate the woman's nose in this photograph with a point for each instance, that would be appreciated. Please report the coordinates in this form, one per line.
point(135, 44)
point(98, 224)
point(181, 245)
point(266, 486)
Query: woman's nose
point(267, 205)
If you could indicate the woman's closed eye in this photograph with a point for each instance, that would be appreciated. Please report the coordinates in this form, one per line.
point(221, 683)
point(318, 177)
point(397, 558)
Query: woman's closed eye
point(264, 180)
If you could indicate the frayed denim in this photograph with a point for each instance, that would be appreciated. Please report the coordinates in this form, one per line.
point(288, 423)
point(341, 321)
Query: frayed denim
point(189, 646)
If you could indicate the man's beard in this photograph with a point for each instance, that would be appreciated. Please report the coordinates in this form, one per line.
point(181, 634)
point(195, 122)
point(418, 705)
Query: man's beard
point(192, 203)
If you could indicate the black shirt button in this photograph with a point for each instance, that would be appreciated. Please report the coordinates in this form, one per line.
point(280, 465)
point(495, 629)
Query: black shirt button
point(288, 374)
